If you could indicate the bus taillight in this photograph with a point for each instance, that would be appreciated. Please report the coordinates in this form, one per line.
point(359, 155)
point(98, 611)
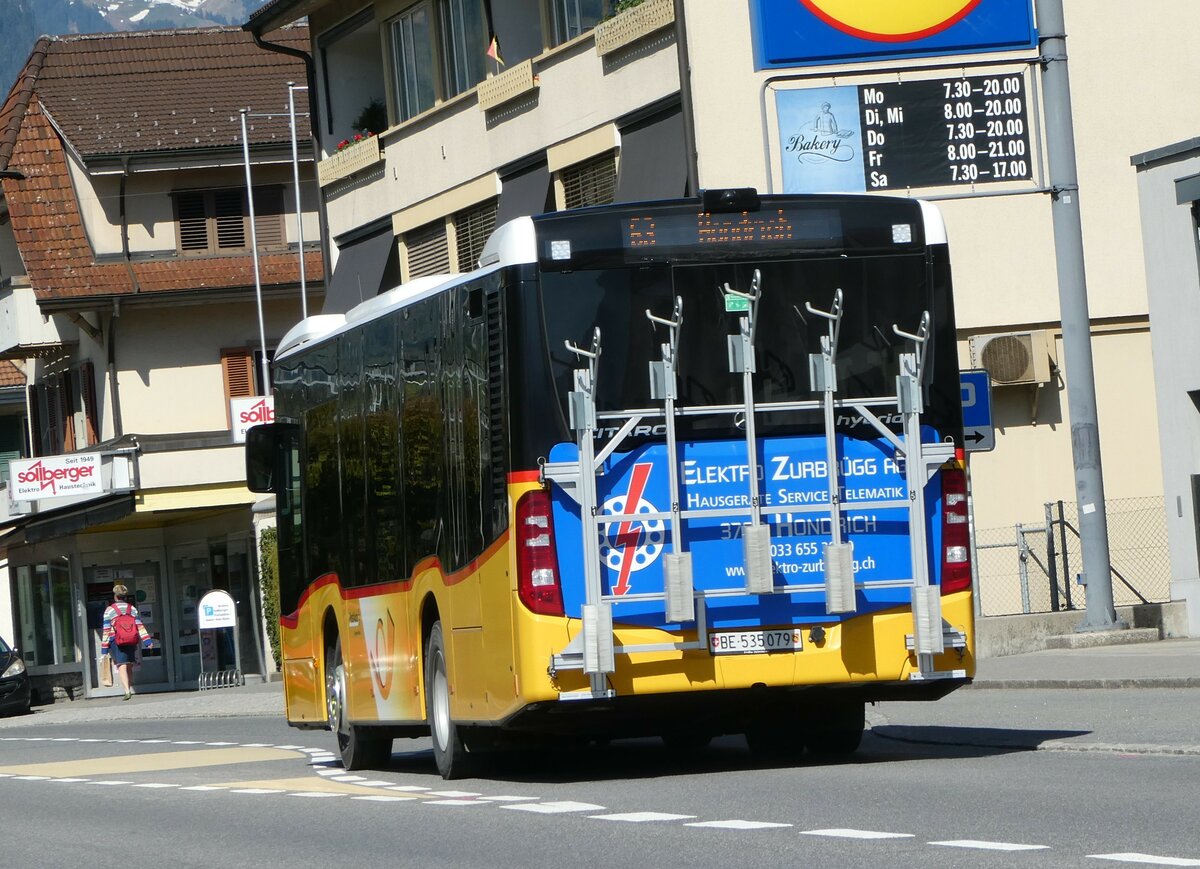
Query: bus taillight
point(956, 542)
point(537, 561)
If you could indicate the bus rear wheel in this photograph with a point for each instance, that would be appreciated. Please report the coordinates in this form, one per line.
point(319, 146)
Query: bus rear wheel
point(449, 749)
point(357, 745)
point(837, 732)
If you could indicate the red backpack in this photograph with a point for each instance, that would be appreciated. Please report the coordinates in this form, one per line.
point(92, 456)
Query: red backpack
point(125, 628)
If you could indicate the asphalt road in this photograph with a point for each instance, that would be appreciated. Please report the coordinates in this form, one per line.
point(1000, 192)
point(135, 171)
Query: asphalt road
point(982, 778)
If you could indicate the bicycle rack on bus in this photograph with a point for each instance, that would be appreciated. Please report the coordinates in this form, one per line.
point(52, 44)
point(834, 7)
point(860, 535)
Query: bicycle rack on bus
point(593, 649)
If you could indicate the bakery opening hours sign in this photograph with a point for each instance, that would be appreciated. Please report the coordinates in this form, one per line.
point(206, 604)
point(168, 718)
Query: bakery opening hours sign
point(900, 135)
point(791, 33)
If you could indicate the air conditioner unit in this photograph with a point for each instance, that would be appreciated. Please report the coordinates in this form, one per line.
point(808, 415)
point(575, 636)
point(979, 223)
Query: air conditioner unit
point(1016, 357)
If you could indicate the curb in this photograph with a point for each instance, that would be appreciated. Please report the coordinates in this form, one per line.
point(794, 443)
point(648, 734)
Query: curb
point(1091, 684)
point(881, 729)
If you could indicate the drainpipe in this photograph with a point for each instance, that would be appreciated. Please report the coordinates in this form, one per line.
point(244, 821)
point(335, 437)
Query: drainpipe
point(685, 99)
point(114, 390)
point(314, 125)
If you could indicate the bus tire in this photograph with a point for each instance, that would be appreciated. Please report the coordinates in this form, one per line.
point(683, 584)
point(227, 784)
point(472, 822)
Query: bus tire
point(774, 742)
point(837, 732)
point(358, 746)
point(449, 749)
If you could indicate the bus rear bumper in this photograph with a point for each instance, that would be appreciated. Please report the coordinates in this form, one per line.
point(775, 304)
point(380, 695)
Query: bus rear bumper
point(715, 712)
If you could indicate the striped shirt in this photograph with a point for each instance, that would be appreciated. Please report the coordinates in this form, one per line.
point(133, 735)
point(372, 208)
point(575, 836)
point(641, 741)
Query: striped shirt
point(121, 608)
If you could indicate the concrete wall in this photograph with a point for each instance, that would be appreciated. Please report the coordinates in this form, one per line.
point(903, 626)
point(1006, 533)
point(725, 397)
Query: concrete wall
point(1173, 274)
point(1002, 247)
point(166, 353)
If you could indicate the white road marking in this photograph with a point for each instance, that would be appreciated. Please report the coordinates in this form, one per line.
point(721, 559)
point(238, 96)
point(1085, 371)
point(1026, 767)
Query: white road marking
point(255, 791)
point(737, 825)
point(640, 817)
point(328, 771)
point(188, 742)
point(509, 799)
point(555, 808)
point(856, 834)
point(412, 788)
point(374, 783)
point(68, 739)
point(152, 741)
point(453, 794)
point(349, 778)
point(453, 802)
point(203, 788)
point(287, 747)
point(155, 785)
point(1150, 859)
point(384, 799)
point(71, 779)
point(32, 777)
point(113, 782)
point(990, 846)
point(220, 743)
point(315, 794)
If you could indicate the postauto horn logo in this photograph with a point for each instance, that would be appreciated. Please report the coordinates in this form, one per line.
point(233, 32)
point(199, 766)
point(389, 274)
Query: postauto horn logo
point(891, 20)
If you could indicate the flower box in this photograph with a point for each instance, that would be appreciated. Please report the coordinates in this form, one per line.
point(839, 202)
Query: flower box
point(633, 24)
point(352, 158)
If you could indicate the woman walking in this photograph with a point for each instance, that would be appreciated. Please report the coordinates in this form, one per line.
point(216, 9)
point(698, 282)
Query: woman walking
point(123, 632)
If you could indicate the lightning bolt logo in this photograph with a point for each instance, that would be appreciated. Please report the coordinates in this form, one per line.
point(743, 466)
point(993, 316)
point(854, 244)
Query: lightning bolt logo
point(636, 543)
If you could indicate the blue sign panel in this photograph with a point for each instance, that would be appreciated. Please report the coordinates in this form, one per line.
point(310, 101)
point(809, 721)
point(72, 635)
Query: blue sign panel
point(715, 475)
point(979, 434)
point(791, 33)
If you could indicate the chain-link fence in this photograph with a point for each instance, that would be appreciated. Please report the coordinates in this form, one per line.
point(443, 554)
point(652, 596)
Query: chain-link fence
point(1032, 567)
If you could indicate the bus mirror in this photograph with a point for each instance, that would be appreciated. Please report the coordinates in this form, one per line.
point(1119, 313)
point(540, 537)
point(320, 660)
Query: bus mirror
point(262, 457)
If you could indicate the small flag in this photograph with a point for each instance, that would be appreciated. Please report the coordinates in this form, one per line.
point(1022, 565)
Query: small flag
point(494, 50)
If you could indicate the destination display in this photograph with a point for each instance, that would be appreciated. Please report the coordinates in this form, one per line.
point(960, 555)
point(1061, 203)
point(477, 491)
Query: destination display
point(906, 134)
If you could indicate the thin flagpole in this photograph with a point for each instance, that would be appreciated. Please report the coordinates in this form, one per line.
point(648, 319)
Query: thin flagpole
point(262, 329)
point(299, 212)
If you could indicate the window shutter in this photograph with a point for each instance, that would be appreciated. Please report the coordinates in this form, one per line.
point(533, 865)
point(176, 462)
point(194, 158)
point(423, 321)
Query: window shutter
point(87, 388)
point(36, 400)
point(193, 221)
point(592, 182)
point(428, 250)
point(229, 215)
point(268, 217)
point(472, 226)
point(67, 403)
point(53, 405)
point(237, 367)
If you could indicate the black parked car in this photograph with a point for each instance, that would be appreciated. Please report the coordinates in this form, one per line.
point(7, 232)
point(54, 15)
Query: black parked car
point(14, 681)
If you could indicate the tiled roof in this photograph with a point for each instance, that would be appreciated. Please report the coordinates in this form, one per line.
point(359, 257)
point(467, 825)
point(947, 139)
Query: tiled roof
point(130, 92)
point(43, 205)
point(10, 375)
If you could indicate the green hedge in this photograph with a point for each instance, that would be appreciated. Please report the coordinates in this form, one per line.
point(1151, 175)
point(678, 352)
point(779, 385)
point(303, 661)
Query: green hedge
point(268, 572)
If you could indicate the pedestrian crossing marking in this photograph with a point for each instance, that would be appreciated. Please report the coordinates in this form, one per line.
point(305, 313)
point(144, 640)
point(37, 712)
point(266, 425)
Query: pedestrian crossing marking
point(155, 762)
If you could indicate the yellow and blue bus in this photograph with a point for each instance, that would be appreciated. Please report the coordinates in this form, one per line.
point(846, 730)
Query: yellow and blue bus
point(680, 469)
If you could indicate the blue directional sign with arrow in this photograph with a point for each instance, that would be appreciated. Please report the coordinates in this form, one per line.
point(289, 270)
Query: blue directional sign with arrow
point(979, 435)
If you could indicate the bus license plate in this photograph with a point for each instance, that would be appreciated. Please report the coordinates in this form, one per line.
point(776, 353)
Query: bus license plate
point(755, 642)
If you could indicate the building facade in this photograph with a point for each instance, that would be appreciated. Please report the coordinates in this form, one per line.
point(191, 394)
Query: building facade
point(1169, 189)
point(131, 316)
point(570, 104)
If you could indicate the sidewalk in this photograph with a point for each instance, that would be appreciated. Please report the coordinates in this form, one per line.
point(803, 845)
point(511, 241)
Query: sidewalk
point(1162, 664)
point(1171, 664)
point(262, 698)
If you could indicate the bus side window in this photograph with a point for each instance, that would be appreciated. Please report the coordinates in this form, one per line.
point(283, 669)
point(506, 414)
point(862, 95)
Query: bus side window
point(422, 447)
point(385, 495)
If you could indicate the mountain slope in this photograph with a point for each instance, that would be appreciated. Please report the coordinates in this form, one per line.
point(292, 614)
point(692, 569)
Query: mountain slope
point(24, 20)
